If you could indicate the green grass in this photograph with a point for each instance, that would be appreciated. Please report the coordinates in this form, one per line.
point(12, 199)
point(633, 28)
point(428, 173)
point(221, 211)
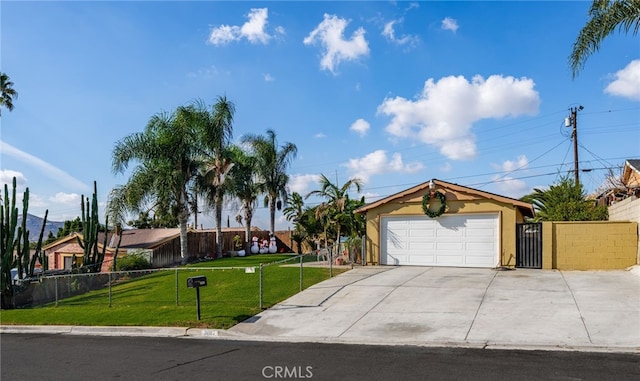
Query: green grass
point(231, 296)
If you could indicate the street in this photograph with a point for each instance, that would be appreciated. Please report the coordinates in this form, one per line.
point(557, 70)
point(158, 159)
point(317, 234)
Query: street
point(71, 357)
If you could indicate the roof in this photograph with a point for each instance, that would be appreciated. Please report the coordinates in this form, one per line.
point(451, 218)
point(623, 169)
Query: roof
point(73, 236)
point(524, 206)
point(143, 238)
point(630, 166)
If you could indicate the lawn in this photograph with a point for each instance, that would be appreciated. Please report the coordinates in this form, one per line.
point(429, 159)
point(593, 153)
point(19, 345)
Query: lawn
point(232, 295)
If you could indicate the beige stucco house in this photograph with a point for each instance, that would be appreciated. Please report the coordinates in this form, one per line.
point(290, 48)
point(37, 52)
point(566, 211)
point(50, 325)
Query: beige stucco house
point(477, 228)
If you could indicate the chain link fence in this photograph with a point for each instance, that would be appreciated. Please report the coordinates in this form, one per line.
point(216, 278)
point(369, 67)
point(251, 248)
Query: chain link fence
point(262, 285)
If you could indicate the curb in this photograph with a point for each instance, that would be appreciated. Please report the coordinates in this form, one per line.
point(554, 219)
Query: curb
point(204, 334)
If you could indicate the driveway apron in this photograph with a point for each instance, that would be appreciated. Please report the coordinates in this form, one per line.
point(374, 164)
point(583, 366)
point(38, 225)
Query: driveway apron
point(461, 306)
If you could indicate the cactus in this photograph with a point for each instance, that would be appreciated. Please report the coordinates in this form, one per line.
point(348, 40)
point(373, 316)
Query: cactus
point(93, 257)
point(14, 244)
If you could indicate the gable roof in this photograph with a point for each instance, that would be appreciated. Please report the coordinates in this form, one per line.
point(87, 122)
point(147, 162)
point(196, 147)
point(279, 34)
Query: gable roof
point(525, 207)
point(630, 166)
point(73, 236)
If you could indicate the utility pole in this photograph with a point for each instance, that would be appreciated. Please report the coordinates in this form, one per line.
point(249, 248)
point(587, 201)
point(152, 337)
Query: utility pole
point(572, 121)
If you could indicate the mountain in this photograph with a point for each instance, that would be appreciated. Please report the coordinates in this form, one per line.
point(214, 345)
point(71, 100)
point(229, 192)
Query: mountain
point(34, 224)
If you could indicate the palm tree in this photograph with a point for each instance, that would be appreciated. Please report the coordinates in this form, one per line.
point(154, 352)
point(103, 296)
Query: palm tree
point(606, 16)
point(337, 199)
point(166, 153)
point(564, 201)
point(272, 163)
point(216, 129)
point(245, 188)
point(295, 205)
point(7, 92)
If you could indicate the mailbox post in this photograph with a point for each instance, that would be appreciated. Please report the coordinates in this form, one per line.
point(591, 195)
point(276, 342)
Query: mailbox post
point(197, 282)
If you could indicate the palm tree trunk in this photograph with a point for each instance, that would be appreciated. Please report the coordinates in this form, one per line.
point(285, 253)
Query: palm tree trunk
point(218, 203)
point(247, 232)
point(183, 218)
point(272, 212)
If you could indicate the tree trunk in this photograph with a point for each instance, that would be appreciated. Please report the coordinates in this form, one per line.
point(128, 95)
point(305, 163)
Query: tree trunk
point(248, 215)
point(272, 212)
point(218, 203)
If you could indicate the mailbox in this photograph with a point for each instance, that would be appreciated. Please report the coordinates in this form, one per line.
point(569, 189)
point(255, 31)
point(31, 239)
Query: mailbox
point(196, 281)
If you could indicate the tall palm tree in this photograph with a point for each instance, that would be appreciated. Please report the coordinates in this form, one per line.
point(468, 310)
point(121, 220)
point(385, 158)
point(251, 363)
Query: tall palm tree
point(245, 188)
point(605, 17)
point(166, 154)
point(337, 198)
point(216, 130)
point(7, 92)
point(295, 207)
point(272, 163)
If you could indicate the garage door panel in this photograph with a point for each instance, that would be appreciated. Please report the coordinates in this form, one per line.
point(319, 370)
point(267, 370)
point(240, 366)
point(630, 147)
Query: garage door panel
point(450, 240)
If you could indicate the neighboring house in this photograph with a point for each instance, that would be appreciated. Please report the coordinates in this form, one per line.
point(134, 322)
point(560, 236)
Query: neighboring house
point(477, 228)
point(630, 185)
point(624, 204)
point(61, 252)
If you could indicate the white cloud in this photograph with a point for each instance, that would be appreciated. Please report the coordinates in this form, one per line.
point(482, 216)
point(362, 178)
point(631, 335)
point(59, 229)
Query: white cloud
point(7, 175)
point(389, 32)
point(319, 135)
point(268, 78)
point(509, 165)
point(444, 113)
point(301, 183)
point(627, 82)
point(377, 163)
point(507, 185)
point(70, 199)
point(54, 173)
point(360, 126)
point(510, 187)
point(330, 34)
point(450, 24)
point(254, 30)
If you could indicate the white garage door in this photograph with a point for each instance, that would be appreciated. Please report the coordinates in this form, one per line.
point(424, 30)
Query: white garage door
point(462, 240)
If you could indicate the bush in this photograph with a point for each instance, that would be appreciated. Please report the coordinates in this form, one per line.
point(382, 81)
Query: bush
point(134, 261)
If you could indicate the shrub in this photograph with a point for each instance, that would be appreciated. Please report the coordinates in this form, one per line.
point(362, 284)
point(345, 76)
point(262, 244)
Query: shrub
point(134, 261)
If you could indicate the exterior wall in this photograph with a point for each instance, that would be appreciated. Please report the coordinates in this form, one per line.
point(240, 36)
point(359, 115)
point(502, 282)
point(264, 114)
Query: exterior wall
point(627, 210)
point(597, 245)
point(508, 217)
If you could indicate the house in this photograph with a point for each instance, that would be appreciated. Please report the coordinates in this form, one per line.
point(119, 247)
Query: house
point(629, 185)
point(60, 253)
point(476, 228)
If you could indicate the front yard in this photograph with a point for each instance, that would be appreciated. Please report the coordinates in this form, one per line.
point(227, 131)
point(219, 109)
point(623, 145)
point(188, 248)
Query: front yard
point(232, 295)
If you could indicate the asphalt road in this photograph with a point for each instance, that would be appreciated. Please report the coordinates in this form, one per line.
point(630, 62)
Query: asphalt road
point(69, 357)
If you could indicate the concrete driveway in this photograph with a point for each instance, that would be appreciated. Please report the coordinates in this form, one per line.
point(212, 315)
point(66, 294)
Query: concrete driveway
point(585, 310)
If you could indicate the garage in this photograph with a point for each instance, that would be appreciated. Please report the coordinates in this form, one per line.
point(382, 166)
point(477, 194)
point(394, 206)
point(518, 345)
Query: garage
point(465, 240)
point(438, 223)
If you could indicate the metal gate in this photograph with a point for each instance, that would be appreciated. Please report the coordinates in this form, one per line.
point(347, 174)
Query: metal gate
point(529, 245)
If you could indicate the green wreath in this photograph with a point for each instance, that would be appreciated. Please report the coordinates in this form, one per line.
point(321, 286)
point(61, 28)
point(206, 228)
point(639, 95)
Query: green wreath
point(425, 204)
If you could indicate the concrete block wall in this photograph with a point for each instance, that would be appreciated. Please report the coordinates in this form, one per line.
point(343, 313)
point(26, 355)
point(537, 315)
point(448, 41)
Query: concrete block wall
point(601, 245)
point(627, 210)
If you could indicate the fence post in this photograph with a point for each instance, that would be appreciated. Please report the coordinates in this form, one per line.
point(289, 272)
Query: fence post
point(301, 273)
point(260, 286)
point(109, 289)
point(363, 250)
point(56, 279)
point(176, 286)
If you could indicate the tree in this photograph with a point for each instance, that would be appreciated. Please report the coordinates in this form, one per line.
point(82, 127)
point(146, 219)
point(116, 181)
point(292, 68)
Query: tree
point(272, 163)
point(166, 153)
point(337, 199)
point(565, 201)
point(7, 92)
point(605, 17)
point(216, 130)
point(245, 188)
point(293, 213)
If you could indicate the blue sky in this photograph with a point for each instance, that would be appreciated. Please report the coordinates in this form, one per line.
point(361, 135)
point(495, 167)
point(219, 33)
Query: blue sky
point(394, 93)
